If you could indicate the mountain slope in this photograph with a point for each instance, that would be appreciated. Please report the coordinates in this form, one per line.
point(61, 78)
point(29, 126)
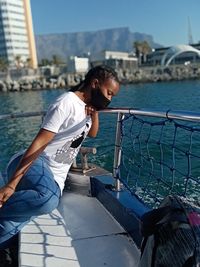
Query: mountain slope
point(80, 43)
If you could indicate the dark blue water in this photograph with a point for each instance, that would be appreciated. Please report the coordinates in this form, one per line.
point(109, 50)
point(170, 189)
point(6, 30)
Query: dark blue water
point(17, 134)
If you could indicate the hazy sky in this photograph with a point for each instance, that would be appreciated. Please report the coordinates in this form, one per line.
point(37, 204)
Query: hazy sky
point(165, 20)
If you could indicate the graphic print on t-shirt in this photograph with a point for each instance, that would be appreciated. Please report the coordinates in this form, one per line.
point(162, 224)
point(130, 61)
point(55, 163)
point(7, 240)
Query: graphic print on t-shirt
point(70, 149)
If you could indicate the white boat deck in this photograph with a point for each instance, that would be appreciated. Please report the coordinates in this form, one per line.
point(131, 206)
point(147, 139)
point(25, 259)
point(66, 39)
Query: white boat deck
point(80, 233)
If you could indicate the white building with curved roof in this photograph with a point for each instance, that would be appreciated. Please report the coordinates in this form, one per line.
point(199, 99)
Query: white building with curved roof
point(177, 50)
point(178, 54)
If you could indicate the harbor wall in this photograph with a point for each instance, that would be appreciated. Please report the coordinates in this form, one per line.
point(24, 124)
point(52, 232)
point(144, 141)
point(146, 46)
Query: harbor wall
point(27, 79)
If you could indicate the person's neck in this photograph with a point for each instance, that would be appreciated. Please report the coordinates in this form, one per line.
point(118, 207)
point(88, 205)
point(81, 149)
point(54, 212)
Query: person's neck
point(84, 96)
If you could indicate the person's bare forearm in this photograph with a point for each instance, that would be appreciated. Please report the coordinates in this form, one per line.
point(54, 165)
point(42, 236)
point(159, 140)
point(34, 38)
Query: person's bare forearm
point(30, 155)
point(34, 150)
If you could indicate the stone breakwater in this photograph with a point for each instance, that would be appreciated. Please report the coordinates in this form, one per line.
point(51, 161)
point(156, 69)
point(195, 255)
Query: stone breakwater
point(139, 75)
point(34, 83)
point(158, 74)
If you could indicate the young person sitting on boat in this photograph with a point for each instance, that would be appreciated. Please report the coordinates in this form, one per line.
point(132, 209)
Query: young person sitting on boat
point(36, 178)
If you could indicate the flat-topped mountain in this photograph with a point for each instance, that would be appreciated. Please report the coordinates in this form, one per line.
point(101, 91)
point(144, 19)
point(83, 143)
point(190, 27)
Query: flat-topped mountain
point(82, 43)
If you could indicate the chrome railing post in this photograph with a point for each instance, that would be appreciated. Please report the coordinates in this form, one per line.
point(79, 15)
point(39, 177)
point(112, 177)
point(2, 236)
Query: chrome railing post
point(117, 152)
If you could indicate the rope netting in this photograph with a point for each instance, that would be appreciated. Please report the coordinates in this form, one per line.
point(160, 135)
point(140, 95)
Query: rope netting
point(160, 157)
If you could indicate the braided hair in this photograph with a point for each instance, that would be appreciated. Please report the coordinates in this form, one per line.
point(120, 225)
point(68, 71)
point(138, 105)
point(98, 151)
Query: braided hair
point(102, 73)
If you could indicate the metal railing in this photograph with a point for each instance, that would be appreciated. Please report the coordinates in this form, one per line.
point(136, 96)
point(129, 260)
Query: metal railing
point(169, 114)
point(157, 153)
point(22, 115)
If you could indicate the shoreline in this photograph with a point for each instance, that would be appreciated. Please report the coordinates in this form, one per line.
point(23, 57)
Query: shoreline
point(68, 80)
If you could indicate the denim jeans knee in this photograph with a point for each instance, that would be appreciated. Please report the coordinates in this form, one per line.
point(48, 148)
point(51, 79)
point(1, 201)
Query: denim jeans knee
point(36, 194)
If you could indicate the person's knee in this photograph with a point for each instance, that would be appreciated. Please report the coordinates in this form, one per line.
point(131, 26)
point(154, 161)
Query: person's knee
point(48, 204)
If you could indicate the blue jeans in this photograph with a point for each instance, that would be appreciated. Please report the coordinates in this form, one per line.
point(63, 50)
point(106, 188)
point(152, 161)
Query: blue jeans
point(37, 193)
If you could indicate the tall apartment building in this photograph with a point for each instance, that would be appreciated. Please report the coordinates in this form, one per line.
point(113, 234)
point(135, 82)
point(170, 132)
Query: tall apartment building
point(17, 42)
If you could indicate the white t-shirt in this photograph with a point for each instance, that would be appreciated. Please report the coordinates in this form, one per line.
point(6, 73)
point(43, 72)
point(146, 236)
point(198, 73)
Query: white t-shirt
point(67, 118)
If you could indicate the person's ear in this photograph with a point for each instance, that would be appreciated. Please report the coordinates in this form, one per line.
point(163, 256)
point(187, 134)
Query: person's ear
point(94, 83)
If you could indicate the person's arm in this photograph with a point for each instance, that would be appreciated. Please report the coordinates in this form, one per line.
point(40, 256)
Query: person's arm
point(95, 121)
point(38, 145)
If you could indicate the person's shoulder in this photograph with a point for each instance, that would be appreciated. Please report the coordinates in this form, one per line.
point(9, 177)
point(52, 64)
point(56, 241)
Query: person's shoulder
point(65, 95)
point(67, 101)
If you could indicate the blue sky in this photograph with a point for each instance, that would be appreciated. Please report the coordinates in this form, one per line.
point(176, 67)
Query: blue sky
point(165, 20)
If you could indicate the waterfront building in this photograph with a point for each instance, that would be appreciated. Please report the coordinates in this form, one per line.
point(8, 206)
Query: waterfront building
point(78, 65)
point(174, 55)
point(17, 42)
point(115, 59)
